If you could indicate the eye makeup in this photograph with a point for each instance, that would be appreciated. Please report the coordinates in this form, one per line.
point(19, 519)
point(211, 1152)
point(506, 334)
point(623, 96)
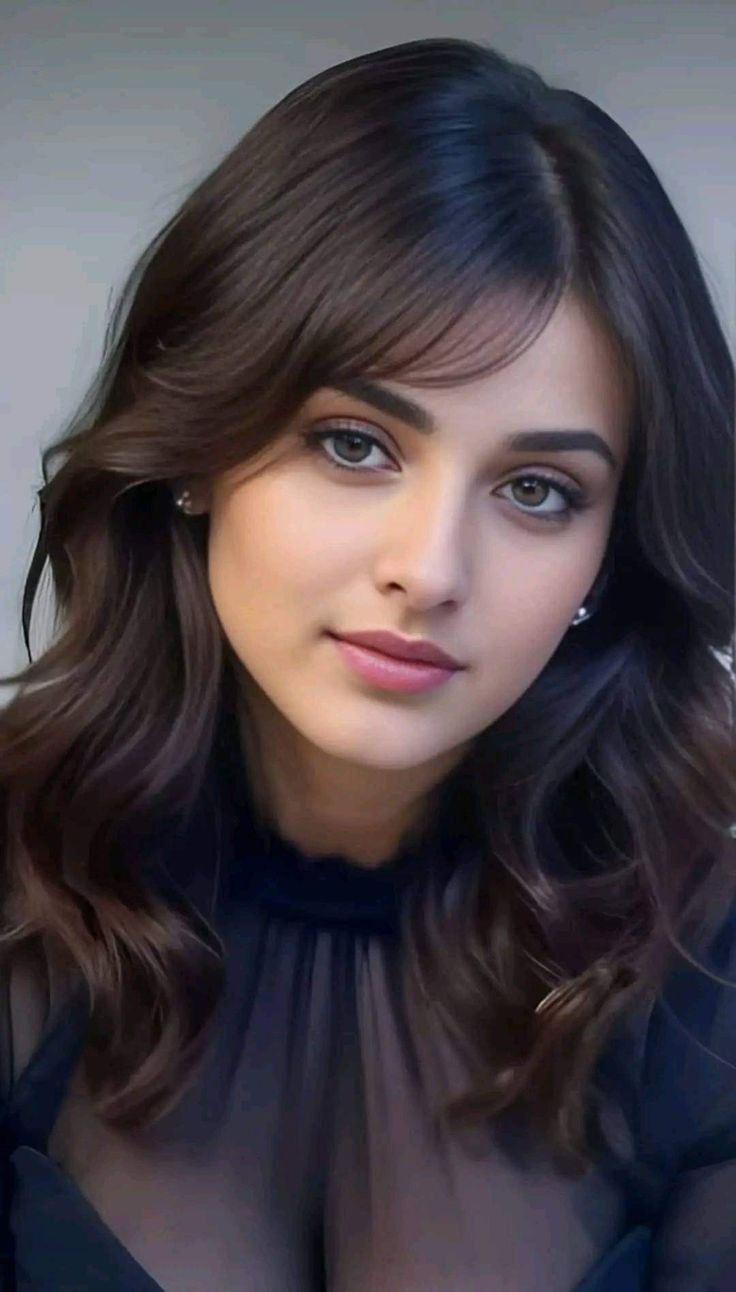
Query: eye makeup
point(316, 441)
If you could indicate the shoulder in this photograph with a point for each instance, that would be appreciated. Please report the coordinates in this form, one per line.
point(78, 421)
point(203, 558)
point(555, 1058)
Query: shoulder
point(670, 1065)
point(31, 993)
point(688, 1057)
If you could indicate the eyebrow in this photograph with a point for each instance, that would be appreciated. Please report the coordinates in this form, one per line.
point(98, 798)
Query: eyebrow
point(551, 441)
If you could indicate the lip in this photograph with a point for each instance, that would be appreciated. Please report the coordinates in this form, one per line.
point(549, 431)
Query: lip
point(412, 650)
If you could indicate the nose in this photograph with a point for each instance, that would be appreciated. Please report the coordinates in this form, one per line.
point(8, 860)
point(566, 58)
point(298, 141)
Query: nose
point(426, 547)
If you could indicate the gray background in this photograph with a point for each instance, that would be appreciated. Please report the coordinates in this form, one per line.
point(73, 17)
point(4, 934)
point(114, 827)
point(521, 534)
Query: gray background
point(112, 110)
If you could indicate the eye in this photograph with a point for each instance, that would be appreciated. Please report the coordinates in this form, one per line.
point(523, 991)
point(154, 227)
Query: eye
point(356, 441)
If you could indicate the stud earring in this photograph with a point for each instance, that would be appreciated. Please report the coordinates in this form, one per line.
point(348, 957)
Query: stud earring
point(184, 501)
point(582, 614)
point(596, 594)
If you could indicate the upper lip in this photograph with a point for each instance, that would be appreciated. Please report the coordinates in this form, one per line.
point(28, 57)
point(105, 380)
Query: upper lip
point(410, 648)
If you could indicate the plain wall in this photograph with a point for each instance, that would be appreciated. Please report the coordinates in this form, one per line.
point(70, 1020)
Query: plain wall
point(111, 111)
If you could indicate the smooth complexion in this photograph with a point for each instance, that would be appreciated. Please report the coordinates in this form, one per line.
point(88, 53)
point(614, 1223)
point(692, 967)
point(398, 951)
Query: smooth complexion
point(437, 534)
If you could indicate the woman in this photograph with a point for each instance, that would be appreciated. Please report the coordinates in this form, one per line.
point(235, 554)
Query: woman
point(328, 971)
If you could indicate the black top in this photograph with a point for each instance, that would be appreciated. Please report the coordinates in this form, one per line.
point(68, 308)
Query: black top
point(305, 1157)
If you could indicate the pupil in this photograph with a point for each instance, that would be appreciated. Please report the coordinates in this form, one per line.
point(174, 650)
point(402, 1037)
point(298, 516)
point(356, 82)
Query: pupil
point(529, 487)
point(354, 440)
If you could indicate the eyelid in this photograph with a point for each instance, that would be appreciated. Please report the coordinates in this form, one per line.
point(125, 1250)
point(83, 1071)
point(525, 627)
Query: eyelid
point(351, 424)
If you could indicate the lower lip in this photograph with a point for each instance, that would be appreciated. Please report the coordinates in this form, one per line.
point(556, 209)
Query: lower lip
point(391, 674)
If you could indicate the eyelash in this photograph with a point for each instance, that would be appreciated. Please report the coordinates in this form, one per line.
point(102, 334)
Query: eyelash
point(574, 496)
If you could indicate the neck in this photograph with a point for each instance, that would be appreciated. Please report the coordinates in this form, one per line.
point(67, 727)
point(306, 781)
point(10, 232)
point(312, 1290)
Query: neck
point(323, 805)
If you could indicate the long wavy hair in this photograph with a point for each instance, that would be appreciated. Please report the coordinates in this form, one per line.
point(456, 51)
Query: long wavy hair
point(415, 212)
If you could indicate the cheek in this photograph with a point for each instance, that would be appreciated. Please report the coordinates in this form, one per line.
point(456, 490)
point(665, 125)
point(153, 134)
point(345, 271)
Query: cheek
point(529, 611)
point(515, 658)
point(267, 564)
point(277, 532)
point(247, 539)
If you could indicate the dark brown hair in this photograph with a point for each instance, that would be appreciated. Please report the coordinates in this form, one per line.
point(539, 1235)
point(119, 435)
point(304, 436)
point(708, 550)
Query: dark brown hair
point(415, 212)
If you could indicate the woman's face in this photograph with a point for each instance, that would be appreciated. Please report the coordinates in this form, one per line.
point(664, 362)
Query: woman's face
point(434, 535)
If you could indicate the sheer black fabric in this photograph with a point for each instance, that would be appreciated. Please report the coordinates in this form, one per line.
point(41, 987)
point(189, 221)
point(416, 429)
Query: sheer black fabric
point(305, 1155)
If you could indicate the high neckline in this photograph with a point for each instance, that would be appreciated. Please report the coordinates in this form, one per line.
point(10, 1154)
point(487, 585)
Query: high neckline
point(326, 888)
point(323, 888)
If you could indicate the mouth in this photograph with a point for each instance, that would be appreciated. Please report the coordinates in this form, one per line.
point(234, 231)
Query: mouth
point(385, 672)
point(402, 650)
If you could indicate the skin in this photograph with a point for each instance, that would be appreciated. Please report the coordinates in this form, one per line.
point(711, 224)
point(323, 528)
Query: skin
point(428, 538)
